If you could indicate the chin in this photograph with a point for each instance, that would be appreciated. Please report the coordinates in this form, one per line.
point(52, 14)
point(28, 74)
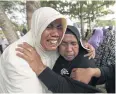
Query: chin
point(69, 59)
point(51, 49)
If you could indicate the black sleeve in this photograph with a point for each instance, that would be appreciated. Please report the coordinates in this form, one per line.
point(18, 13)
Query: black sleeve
point(54, 82)
point(63, 84)
point(108, 72)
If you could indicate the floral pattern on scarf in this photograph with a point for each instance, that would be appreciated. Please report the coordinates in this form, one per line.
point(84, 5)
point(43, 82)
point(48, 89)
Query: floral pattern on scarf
point(105, 54)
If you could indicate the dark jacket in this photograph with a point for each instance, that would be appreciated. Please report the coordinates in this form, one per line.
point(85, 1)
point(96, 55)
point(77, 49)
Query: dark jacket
point(62, 66)
point(64, 84)
point(108, 74)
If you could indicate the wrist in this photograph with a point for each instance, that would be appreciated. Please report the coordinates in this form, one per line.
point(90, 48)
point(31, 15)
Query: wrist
point(40, 69)
point(96, 72)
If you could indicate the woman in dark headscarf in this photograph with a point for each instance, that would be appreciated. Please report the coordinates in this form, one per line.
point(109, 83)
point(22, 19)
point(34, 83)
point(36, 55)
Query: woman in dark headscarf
point(65, 66)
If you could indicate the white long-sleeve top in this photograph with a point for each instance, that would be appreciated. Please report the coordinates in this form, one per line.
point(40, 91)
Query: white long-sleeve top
point(16, 76)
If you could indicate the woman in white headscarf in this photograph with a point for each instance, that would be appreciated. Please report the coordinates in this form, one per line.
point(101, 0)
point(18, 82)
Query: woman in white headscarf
point(16, 76)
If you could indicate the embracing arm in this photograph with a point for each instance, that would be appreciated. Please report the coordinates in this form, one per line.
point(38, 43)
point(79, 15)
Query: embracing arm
point(106, 73)
point(59, 84)
point(15, 74)
point(64, 84)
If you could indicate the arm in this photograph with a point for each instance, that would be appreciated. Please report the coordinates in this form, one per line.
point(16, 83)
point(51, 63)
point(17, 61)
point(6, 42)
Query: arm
point(85, 74)
point(64, 84)
point(15, 74)
point(107, 73)
point(59, 84)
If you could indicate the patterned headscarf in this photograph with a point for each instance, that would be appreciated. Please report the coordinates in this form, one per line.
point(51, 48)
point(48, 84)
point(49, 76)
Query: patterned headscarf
point(105, 54)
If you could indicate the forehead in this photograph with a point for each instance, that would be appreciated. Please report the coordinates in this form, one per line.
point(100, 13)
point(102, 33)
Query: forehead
point(69, 37)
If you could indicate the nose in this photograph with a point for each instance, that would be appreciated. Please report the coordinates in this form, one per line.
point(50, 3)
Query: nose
point(69, 48)
point(55, 32)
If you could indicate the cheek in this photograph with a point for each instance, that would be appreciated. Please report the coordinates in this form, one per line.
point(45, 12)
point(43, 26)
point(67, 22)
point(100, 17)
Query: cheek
point(76, 50)
point(43, 40)
point(61, 50)
point(60, 33)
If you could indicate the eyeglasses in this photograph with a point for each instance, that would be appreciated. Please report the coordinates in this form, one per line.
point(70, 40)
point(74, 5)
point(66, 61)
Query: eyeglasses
point(55, 25)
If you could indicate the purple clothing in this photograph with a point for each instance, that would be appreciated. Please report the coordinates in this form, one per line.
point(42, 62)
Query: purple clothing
point(96, 38)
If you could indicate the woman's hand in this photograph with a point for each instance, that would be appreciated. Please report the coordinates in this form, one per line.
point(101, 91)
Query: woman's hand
point(82, 74)
point(85, 74)
point(90, 49)
point(28, 53)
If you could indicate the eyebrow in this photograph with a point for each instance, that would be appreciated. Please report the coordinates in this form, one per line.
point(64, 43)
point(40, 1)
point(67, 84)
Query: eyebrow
point(64, 41)
point(70, 42)
point(59, 24)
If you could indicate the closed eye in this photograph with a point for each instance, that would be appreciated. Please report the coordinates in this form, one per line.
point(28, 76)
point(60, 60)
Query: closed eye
point(59, 26)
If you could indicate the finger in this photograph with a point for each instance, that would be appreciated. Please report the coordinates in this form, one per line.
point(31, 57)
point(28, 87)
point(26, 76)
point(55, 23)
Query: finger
point(85, 45)
point(28, 46)
point(90, 50)
point(21, 46)
point(90, 47)
point(24, 51)
point(25, 57)
point(86, 55)
point(92, 55)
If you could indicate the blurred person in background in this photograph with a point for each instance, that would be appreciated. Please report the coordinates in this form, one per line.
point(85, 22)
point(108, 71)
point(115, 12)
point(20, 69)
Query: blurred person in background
point(97, 38)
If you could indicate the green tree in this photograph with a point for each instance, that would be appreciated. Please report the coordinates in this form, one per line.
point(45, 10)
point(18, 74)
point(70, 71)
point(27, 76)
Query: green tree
point(5, 23)
point(31, 6)
point(9, 27)
point(105, 23)
point(83, 10)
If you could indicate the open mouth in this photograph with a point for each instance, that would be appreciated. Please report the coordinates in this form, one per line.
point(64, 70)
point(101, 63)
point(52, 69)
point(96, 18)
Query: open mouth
point(53, 42)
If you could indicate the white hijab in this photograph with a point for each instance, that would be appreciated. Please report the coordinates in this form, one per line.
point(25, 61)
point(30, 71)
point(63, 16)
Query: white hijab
point(16, 76)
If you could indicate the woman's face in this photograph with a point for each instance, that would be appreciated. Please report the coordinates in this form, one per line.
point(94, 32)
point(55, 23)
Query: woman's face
point(69, 47)
point(52, 35)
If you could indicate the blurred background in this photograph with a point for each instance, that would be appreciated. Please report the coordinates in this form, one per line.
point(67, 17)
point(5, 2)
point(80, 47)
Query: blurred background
point(15, 16)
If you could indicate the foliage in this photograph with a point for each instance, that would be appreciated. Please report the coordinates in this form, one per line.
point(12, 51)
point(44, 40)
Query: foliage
point(76, 9)
point(11, 7)
point(103, 23)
